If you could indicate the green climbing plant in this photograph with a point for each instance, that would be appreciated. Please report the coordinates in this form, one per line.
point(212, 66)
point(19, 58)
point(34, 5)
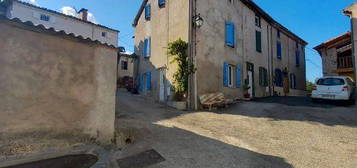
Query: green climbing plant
point(178, 50)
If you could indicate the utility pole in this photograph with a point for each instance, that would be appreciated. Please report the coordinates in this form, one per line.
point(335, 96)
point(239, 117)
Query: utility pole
point(351, 12)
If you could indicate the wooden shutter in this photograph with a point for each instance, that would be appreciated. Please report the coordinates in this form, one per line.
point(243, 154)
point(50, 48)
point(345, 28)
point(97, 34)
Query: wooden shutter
point(148, 12)
point(225, 74)
point(230, 34)
point(258, 42)
point(145, 48)
point(238, 77)
point(148, 54)
point(148, 80)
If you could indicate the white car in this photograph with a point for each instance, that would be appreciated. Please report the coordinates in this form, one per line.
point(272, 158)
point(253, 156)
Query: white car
point(334, 88)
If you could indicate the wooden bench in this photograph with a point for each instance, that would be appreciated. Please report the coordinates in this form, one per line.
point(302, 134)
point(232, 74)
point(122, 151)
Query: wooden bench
point(213, 99)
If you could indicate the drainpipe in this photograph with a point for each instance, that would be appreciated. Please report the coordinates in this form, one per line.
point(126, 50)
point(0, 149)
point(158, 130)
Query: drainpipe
point(191, 104)
point(351, 12)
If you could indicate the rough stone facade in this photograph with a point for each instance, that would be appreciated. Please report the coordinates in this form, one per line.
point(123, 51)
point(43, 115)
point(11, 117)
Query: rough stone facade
point(210, 51)
point(55, 81)
point(167, 24)
point(336, 56)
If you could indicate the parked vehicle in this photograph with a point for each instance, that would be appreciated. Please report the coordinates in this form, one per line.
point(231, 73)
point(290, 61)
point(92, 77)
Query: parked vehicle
point(334, 88)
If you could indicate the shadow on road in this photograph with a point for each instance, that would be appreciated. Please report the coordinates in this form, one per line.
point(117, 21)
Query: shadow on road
point(180, 147)
point(329, 113)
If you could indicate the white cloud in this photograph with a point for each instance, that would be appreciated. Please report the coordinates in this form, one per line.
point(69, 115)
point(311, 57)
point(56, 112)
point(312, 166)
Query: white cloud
point(33, 1)
point(67, 10)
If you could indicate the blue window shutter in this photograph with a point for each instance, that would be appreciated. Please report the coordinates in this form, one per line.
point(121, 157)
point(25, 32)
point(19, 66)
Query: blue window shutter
point(148, 80)
point(238, 77)
point(145, 48)
point(148, 12)
point(295, 81)
point(297, 54)
point(230, 34)
point(148, 54)
point(161, 3)
point(278, 48)
point(225, 74)
point(291, 81)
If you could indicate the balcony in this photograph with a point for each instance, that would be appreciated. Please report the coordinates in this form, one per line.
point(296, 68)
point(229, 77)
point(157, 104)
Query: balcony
point(344, 62)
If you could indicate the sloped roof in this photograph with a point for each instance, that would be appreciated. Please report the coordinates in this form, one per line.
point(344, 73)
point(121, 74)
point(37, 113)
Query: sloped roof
point(250, 4)
point(333, 41)
point(58, 13)
point(43, 29)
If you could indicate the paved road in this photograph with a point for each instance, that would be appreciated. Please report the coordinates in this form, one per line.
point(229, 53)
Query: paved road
point(246, 135)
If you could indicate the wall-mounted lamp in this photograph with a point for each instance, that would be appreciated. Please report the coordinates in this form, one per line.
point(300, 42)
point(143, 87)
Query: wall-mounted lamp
point(198, 21)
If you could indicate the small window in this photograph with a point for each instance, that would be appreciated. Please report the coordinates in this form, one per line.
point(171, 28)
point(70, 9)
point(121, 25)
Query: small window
point(263, 77)
point(258, 22)
point(147, 47)
point(44, 17)
point(331, 82)
point(228, 75)
point(258, 41)
point(278, 80)
point(104, 34)
point(124, 65)
point(293, 81)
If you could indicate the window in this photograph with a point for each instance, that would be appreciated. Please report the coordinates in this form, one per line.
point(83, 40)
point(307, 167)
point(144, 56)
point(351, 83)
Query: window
point(292, 81)
point(230, 34)
point(147, 47)
point(278, 34)
point(148, 12)
point(278, 78)
point(263, 77)
point(161, 3)
point(104, 34)
point(278, 49)
point(258, 22)
point(331, 82)
point(124, 65)
point(297, 58)
point(258, 41)
point(229, 71)
point(45, 17)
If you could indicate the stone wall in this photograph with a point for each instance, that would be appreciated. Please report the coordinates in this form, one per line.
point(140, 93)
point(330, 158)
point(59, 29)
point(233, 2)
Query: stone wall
point(57, 82)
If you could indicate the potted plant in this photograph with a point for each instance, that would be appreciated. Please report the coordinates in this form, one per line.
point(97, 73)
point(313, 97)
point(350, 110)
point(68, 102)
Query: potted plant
point(178, 50)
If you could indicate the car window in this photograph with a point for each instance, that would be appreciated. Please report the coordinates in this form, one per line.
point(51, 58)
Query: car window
point(330, 82)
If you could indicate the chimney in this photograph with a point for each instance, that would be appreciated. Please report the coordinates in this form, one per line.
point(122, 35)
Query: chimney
point(83, 13)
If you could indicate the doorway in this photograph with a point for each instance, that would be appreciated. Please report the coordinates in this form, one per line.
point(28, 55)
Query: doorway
point(250, 79)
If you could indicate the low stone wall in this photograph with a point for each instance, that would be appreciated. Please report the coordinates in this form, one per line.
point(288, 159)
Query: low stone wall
point(54, 81)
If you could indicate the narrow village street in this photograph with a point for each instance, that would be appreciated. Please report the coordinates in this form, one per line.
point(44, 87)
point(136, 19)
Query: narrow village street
point(247, 134)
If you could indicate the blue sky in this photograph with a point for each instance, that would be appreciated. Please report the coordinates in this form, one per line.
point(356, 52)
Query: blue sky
point(314, 20)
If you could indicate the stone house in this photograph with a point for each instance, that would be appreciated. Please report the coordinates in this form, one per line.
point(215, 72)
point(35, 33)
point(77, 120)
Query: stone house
point(336, 56)
point(126, 66)
point(52, 80)
point(78, 25)
point(238, 44)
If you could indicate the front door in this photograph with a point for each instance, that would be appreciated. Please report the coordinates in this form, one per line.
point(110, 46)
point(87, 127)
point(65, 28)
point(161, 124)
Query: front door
point(250, 72)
